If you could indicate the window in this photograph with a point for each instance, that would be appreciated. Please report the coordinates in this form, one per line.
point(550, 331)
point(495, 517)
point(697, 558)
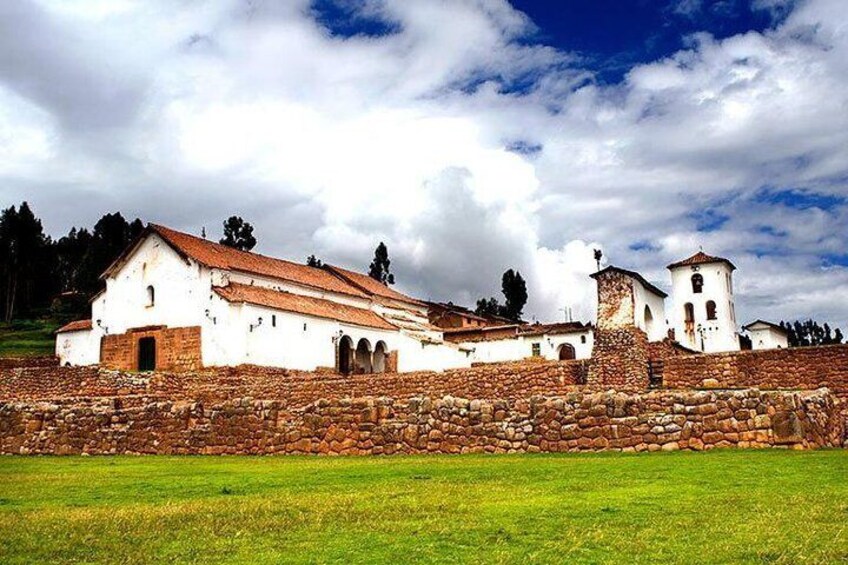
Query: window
point(537, 349)
point(697, 283)
point(273, 320)
point(151, 296)
point(582, 339)
point(711, 310)
point(689, 312)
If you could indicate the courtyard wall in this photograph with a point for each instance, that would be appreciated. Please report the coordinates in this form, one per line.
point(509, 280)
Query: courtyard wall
point(578, 421)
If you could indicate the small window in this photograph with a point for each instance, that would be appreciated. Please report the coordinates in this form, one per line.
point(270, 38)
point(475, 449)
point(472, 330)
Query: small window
point(304, 327)
point(537, 349)
point(151, 296)
point(582, 339)
point(689, 313)
point(697, 283)
point(273, 320)
point(711, 310)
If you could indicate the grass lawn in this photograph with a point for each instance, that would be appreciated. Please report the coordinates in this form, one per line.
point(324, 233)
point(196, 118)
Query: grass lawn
point(717, 507)
point(26, 338)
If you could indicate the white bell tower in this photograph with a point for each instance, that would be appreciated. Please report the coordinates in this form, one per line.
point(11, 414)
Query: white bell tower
point(704, 314)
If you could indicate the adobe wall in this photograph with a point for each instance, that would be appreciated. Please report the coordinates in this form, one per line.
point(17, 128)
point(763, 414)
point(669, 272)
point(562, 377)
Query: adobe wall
point(659, 420)
point(177, 349)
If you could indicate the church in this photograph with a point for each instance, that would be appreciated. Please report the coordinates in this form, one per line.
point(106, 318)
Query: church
point(173, 301)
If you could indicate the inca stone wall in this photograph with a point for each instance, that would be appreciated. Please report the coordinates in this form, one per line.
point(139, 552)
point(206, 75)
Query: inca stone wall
point(660, 420)
point(177, 349)
point(496, 381)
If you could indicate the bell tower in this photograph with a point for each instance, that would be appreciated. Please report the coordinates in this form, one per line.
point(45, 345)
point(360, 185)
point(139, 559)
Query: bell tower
point(704, 315)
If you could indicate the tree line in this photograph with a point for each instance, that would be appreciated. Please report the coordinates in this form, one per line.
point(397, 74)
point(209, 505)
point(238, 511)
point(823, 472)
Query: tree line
point(810, 332)
point(41, 276)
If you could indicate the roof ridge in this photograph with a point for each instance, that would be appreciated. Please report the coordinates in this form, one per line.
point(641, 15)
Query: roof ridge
point(228, 249)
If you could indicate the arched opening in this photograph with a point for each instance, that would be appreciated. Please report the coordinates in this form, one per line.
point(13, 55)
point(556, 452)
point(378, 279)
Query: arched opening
point(363, 356)
point(697, 283)
point(711, 310)
point(567, 352)
point(345, 355)
point(689, 318)
point(151, 296)
point(649, 320)
point(379, 363)
point(147, 354)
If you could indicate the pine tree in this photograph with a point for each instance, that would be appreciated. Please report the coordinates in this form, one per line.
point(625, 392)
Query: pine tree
point(515, 292)
point(238, 234)
point(379, 268)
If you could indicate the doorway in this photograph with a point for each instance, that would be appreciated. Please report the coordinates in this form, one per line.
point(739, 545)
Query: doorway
point(147, 354)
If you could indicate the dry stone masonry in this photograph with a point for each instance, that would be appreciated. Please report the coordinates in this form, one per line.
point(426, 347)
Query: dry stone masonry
point(526, 406)
point(578, 421)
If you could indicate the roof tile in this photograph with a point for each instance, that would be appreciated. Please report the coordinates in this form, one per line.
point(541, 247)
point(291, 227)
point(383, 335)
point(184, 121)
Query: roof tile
point(701, 258)
point(75, 326)
point(299, 304)
point(220, 256)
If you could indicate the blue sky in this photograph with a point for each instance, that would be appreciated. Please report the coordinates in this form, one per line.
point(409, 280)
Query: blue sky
point(471, 136)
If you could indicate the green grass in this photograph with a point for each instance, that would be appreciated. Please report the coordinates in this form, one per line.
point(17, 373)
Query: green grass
point(26, 338)
point(717, 507)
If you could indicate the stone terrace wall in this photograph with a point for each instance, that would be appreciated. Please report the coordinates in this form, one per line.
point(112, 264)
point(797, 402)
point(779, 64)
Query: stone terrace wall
point(494, 381)
point(796, 368)
point(660, 420)
point(34, 361)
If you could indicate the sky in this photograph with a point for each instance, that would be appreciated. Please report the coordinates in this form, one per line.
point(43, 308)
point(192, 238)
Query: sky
point(471, 136)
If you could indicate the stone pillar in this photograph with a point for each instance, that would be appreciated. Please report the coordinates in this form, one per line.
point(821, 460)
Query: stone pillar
point(620, 351)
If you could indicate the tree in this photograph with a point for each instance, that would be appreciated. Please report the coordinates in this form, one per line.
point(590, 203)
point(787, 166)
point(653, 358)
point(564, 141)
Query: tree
point(238, 234)
point(515, 292)
point(810, 332)
point(111, 235)
point(24, 261)
point(488, 307)
point(313, 261)
point(379, 269)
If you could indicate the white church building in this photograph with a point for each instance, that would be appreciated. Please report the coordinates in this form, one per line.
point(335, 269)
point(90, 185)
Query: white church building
point(175, 301)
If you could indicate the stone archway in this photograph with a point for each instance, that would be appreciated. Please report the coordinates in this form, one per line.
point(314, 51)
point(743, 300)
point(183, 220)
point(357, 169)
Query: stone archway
point(345, 355)
point(649, 321)
point(567, 352)
point(379, 358)
point(362, 357)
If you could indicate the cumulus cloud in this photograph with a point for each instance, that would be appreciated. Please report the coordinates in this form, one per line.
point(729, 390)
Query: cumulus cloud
point(454, 137)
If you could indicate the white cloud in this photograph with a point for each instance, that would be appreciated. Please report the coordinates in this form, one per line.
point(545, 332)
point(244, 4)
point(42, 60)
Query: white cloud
point(187, 113)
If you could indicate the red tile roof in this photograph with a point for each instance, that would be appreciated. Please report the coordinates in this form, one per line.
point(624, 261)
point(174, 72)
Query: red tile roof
point(769, 324)
point(510, 331)
point(611, 269)
point(556, 328)
point(701, 258)
point(371, 286)
point(75, 326)
point(299, 304)
point(219, 256)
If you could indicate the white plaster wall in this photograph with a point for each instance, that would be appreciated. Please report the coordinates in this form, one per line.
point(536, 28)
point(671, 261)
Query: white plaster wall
point(582, 343)
point(414, 355)
point(181, 290)
point(768, 338)
point(78, 348)
point(642, 298)
point(720, 334)
point(518, 348)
